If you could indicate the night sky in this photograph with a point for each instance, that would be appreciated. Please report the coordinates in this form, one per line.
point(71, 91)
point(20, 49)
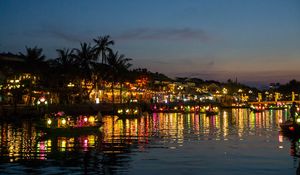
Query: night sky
point(255, 41)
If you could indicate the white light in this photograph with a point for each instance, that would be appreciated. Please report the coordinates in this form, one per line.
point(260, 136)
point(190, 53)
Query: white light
point(42, 99)
point(49, 121)
point(97, 100)
point(63, 121)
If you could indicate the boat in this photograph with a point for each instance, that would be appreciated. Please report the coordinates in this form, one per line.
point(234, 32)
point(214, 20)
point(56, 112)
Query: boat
point(129, 112)
point(257, 109)
point(211, 113)
point(61, 124)
point(290, 128)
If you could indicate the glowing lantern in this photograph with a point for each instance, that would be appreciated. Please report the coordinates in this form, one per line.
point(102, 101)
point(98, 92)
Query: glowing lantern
point(91, 119)
point(49, 121)
point(85, 119)
point(291, 128)
point(298, 120)
point(63, 121)
point(42, 99)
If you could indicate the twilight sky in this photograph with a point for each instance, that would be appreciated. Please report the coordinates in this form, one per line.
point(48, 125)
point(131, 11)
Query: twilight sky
point(257, 41)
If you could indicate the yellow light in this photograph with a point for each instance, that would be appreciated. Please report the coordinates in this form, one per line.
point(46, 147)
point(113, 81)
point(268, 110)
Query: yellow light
point(298, 120)
point(71, 85)
point(49, 143)
point(63, 143)
point(63, 121)
point(91, 119)
point(49, 121)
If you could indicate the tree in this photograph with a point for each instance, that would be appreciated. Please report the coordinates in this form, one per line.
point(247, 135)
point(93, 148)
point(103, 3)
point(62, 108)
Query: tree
point(118, 64)
point(35, 65)
point(64, 71)
point(34, 60)
point(85, 57)
point(102, 47)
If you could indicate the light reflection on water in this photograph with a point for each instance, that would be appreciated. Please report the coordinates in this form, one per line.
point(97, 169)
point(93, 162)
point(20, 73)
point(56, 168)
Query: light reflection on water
point(235, 141)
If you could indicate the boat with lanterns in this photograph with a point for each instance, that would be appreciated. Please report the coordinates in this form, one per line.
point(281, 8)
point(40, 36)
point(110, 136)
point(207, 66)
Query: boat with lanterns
point(185, 108)
point(291, 128)
point(129, 111)
point(61, 124)
point(258, 108)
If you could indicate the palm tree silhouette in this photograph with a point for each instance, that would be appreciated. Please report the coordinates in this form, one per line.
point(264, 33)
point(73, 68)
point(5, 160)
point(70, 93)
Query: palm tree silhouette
point(35, 65)
point(85, 58)
point(33, 59)
point(117, 64)
point(65, 70)
point(102, 47)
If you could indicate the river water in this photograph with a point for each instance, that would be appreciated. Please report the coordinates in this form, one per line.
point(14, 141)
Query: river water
point(234, 142)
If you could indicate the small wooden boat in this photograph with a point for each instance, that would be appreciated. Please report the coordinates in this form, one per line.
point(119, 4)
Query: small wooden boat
point(290, 128)
point(61, 124)
point(211, 113)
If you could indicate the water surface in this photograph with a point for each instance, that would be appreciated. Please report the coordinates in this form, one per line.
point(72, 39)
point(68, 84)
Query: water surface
point(234, 142)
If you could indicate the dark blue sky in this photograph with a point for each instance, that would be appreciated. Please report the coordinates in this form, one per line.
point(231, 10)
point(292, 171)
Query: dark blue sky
point(257, 41)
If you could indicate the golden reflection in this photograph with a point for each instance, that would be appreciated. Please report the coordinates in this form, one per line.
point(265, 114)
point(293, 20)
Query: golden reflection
point(225, 124)
point(118, 134)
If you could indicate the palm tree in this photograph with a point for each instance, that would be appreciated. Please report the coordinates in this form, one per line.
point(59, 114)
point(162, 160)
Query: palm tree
point(64, 71)
point(117, 64)
point(102, 47)
point(85, 57)
point(35, 65)
point(34, 59)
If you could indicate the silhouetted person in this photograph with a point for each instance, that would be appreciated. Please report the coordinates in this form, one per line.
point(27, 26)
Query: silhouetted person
point(293, 111)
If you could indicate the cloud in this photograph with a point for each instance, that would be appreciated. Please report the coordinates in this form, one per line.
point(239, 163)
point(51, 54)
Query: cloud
point(73, 38)
point(165, 34)
point(57, 32)
point(257, 79)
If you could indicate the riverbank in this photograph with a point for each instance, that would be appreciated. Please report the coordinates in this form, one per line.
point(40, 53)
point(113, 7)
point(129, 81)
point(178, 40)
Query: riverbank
point(9, 112)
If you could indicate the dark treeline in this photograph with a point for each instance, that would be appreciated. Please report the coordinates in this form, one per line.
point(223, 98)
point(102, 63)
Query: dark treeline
point(89, 65)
